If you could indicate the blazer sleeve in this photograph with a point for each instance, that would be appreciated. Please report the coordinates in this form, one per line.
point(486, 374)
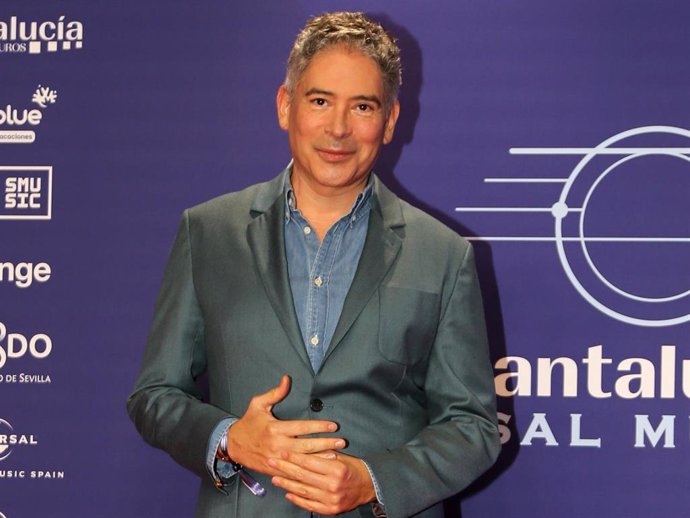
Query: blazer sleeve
point(461, 440)
point(166, 405)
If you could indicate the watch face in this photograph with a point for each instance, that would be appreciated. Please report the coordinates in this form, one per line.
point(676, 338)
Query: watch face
point(225, 470)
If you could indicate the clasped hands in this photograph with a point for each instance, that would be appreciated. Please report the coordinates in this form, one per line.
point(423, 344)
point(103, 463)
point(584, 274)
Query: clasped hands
point(314, 473)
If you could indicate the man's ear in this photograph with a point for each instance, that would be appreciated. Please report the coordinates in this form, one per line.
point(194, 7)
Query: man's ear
point(390, 122)
point(283, 107)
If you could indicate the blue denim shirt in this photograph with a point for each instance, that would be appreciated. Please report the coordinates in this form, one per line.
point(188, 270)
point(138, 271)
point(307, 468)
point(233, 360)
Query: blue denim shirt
point(321, 273)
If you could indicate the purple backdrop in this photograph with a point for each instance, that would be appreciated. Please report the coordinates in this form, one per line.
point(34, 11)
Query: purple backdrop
point(555, 134)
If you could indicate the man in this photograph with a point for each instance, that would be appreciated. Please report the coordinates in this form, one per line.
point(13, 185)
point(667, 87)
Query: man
point(364, 310)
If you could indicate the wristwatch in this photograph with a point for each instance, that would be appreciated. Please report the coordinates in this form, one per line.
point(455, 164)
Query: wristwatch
point(222, 454)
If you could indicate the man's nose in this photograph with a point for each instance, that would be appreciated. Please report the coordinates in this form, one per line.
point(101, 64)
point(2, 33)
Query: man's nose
point(339, 124)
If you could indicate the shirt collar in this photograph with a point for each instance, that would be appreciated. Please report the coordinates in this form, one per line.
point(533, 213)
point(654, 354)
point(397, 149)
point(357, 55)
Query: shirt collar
point(361, 202)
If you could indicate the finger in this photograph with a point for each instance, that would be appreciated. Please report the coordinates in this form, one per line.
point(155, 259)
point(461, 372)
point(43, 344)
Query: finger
point(298, 487)
point(307, 468)
point(327, 454)
point(271, 397)
point(293, 472)
point(318, 444)
point(299, 427)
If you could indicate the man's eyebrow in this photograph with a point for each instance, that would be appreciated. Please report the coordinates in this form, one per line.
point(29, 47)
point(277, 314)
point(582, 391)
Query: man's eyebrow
point(313, 91)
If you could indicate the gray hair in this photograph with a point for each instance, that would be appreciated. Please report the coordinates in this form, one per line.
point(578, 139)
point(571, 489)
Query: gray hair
point(355, 31)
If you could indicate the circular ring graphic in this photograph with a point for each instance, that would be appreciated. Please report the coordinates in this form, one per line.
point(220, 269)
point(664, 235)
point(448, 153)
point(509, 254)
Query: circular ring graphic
point(583, 241)
point(561, 209)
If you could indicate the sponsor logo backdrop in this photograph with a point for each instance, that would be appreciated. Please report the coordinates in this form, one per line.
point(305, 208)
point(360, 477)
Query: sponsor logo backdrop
point(554, 134)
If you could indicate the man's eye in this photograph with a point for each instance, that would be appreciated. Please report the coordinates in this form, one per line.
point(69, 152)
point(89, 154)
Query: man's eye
point(364, 107)
point(319, 101)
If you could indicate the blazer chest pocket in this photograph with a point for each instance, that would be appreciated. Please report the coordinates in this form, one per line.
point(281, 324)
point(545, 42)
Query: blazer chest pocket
point(408, 319)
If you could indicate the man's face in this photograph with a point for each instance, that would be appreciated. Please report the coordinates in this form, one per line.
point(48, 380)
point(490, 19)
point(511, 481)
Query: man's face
point(335, 120)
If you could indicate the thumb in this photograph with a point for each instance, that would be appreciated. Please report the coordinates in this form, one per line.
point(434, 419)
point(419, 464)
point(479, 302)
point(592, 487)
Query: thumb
point(275, 395)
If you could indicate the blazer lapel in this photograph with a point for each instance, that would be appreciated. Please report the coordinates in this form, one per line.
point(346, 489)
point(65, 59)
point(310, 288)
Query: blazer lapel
point(381, 248)
point(266, 238)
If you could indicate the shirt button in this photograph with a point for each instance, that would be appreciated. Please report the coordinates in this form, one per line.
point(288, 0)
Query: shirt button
point(314, 340)
point(316, 405)
point(318, 281)
point(307, 230)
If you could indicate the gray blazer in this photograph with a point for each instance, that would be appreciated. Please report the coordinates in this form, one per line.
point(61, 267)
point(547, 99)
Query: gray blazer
point(407, 375)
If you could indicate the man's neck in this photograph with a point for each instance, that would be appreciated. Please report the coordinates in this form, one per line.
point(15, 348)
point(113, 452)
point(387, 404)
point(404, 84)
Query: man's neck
point(323, 207)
